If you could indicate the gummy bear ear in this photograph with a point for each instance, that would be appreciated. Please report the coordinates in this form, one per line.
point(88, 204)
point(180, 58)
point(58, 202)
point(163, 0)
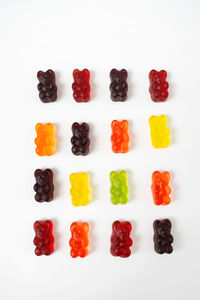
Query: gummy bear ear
point(125, 73)
point(125, 123)
point(114, 123)
point(86, 72)
point(86, 126)
point(112, 73)
point(75, 72)
point(37, 126)
point(35, 225)
point(163, 73)
point(156, 223)
point(115, 225)
point(86, 226)
point(74, 126)
point(167, 223)
point(73, 225)
point(51, 72)
point(39, 73)
point(48, 223)
point(127, 226)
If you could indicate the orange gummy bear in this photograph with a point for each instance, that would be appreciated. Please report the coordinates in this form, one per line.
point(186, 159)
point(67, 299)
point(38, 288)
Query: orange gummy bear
point(160, 188)
point(120, 136)
point(79, 240)
point(45, 140)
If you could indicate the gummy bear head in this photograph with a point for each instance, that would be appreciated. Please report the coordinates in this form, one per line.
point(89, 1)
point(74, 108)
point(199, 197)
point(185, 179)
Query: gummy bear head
point(163, 227)
point(79, 230)
point(157, 76)
point(118, 177)
point(118, 76)
point(122, 229)
point(81, 76)
point(42, 228)
point(46, 77)
point(80, 130)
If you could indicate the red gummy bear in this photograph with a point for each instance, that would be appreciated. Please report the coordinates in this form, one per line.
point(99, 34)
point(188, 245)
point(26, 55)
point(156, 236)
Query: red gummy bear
point(120, 136)
point(81, 85)
point(160, 188)
point(158, 85)
point(120, 239)
point(44, 239)
point(79, 240)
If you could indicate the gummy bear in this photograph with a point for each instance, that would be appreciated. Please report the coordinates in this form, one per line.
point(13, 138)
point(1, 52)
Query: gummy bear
point(160, 188)
point(162, 236)
point(81, 85)
point(44, 239)
point(159, 131)
point(158, 86)
point(47, 86)
point(80, 139)
point(120, 136)
point(120, 239)
point(79, 189)
point(45, 140)
point(44, 185)
point(79, 240)
point(119, 187)
point(118, 86)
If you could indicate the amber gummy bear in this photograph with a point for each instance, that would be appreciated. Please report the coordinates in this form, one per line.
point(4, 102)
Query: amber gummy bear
point(79, 239)
point(45, 140)
point(44, 239)
point(120, 136)
point(160, 188)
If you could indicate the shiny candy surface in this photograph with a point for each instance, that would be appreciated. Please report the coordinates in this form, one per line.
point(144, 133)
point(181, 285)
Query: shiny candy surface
point(118, 85)
point(79, 191)
point(158, 85)
point(44, 239)
point(47, 86)
point(80, 139)
point(79, 239)
point(159, 131)
point(120, 136)
point(160, 188)
point(45, 140)
point(162, 236)
point(120, 239)
point(81, 85)
point(44, 185)
point(119, 187)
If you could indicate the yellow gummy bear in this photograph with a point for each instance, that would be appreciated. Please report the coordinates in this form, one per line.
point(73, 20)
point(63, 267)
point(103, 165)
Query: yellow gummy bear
point(79, 188)
point(159, 131)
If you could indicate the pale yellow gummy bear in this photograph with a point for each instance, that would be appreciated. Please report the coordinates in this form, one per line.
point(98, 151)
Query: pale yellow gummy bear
point(159, 131)
point(79, 191)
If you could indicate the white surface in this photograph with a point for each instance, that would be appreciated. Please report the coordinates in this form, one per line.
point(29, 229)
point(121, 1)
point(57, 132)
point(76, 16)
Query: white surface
point(63, 35)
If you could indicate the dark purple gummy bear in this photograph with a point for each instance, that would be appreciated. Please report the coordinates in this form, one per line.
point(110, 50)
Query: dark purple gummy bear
point(47, 86)
point(80, 139)
point(44, 185)
point(162, 236)
point(118, 85)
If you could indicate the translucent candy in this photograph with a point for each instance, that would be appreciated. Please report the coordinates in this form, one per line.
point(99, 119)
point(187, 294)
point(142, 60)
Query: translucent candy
point(159, 131)
point(79, 191)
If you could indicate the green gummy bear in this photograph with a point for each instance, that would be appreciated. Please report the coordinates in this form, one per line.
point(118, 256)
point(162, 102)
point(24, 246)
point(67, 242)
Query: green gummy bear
point(119, 187)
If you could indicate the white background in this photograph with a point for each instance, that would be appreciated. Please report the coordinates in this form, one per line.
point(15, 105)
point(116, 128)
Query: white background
point(99, 35)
